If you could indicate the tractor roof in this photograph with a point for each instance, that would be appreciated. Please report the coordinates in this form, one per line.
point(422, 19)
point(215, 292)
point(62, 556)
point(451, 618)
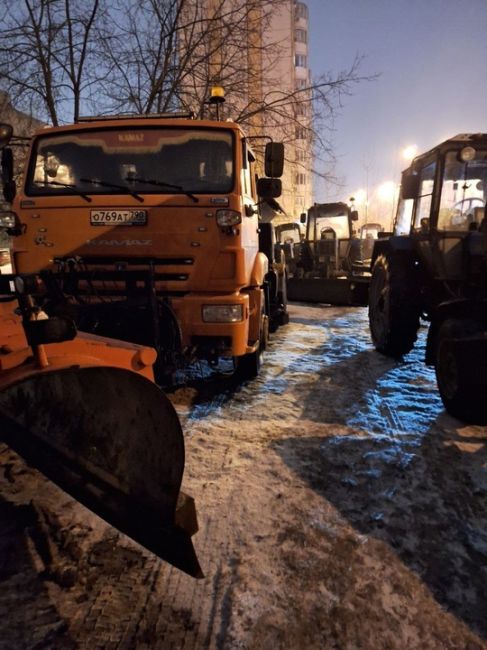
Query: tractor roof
point(459, 140)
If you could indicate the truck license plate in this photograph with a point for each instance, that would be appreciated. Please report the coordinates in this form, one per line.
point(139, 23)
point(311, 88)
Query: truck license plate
point(118, 217)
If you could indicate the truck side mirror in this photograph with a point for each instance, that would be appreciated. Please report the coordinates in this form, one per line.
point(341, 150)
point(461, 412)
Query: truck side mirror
point(409, 185)
point(7, 165)
point(302, 217)
point(269, 188)
point(274, 159)
point(354, 215)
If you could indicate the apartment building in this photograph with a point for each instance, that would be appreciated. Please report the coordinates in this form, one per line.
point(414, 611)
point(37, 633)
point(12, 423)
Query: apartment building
point(292, 76)
point(258, 51)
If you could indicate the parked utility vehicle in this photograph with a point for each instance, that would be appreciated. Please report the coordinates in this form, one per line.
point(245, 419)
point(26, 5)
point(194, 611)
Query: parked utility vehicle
point(434, 266)
point(325, 270)
point(148, 227)
point(288, 238)
point(369, 232)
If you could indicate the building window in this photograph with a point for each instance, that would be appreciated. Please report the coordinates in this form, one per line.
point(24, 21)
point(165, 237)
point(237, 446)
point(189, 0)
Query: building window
point(300, 133)
point(301, 84)
point(301, 110)
point(300, 201)
point(300, 155)
point(301, 60)
point(301, 36)
point(301, 10)
point(300, 179)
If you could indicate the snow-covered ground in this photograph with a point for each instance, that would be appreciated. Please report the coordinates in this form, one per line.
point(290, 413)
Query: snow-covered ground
point(340, 507)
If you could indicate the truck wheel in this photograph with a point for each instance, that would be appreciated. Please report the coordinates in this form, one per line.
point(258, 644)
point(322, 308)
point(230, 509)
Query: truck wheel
point(394, 308)
point(249, 365)
point(460, 370)
point(279, 312)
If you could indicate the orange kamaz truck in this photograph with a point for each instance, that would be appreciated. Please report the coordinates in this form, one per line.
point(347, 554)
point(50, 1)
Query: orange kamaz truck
point(147, 229)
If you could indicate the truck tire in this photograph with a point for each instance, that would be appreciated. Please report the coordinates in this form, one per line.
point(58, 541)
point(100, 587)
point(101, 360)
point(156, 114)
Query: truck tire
point(461, 364)
point(394, 307)
point(279, 313)
point(248, 366)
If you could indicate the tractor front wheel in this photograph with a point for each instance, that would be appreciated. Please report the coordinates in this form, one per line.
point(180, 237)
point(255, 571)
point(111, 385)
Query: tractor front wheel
point(394, 307)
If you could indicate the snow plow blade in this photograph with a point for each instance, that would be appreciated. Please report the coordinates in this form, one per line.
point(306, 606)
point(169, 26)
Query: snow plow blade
point(110, 438)
point(333, 291)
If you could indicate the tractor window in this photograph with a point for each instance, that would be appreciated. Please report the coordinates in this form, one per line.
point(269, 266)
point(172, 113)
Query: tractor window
point(463, 193)
point(333, 226)
point(425, 195)
point(289, 235)
point(160, 160)
point(370, 231)
point(327, 220)
point(404, 216)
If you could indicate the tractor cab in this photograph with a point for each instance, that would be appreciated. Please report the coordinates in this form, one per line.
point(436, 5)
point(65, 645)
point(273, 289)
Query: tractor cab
point(288, 242)
point(434, 267)
point(442, 206)
point(328, 267)
point(369, 232)
point(328, 241)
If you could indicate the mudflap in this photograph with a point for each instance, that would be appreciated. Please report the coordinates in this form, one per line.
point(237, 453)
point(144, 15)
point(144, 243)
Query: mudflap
point(333, 291)
point(111, 439)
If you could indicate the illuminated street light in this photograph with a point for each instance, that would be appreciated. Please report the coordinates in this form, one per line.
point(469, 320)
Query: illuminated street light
point(409, 152)
point(387, 191)
point(360, 197)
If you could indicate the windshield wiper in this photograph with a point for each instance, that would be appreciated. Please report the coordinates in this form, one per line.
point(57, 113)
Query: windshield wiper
point(70, 186)
point(95, 181)
point(170, 186)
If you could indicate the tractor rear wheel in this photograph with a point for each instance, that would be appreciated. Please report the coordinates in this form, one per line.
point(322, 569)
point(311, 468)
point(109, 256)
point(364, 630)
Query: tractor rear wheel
point(394, 307)
point(461, 364)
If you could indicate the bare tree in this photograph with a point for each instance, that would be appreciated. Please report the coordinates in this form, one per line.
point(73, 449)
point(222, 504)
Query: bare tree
point(58, 57)
point(47, 55)
point(166, 54)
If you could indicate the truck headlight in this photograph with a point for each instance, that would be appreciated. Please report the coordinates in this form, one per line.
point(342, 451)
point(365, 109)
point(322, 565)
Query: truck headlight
point(228, 217)
point(222, 313)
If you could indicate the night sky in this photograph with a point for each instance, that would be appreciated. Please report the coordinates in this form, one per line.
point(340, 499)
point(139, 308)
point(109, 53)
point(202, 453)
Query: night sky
point(432, 59)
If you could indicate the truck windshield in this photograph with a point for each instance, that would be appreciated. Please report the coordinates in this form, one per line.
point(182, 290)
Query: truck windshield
point(149, 160)
point(463, 192)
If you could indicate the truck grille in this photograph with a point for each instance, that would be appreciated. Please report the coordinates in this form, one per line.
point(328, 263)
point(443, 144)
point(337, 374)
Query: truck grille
point(89, 275)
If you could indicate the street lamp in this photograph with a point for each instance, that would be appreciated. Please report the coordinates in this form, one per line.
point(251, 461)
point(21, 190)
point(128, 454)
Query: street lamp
point(409, 152)
point(361, 200)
